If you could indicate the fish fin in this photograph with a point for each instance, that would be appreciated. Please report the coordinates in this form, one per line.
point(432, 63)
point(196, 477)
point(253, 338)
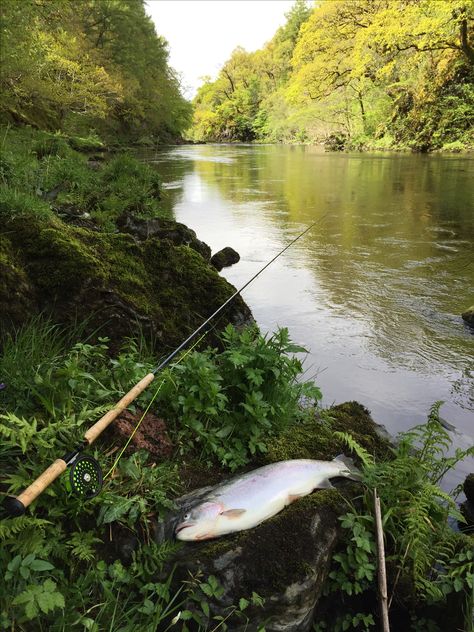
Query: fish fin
point(342, 458)
point(233, 513)
point(326, 484)
point(352, 471)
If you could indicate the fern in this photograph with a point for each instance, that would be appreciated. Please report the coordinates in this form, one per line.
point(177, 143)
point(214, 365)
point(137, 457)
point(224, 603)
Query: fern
point(366, 458)
point(81, 544)
point(416, 511)
point(12, 527)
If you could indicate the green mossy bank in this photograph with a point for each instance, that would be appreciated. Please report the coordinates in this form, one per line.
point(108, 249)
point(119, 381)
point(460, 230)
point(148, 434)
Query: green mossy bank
point(82, 239)
point(115, 282)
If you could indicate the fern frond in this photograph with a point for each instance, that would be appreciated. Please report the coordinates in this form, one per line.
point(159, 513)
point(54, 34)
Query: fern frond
point(366, 458)
point(11, 528)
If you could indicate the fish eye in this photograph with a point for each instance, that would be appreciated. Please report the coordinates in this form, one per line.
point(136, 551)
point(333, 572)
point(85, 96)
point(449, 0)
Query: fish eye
point(187, 516)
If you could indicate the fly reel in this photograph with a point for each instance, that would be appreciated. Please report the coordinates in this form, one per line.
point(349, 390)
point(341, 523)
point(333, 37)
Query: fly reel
point(85, 477)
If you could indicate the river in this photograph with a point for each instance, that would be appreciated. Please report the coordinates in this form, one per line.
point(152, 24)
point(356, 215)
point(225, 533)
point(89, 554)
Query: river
point(374, 291)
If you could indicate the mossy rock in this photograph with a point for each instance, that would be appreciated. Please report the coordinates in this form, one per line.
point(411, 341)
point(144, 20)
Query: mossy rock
point(468, 316)
point(75, 274)
point(315, 439)
point(161, 228)
point(17, 296)
point(286, 558)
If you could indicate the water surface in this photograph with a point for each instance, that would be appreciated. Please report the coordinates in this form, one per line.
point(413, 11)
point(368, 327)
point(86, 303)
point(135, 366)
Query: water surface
point(374, 291)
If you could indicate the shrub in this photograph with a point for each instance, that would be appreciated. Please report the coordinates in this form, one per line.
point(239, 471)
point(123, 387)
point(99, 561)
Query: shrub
point(225, 405)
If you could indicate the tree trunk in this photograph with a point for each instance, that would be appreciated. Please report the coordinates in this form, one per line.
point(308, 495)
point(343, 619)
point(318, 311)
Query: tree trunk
point(465, 46)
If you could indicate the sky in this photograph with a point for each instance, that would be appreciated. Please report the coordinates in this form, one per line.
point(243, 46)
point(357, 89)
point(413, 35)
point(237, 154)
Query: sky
point(203, 33)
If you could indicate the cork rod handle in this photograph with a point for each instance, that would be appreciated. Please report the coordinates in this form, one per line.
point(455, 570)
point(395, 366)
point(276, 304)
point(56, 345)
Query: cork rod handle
point(42, 482)
point(99, 427)
point(59, 466)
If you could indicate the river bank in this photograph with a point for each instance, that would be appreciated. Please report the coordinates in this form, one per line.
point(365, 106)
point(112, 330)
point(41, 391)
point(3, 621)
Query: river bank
point(90, 243)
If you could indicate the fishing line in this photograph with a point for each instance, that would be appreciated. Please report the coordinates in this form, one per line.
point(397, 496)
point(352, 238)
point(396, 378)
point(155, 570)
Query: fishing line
point(236, 293)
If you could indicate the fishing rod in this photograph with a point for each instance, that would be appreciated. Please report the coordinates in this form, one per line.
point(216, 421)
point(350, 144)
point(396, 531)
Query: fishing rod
point(85, 477)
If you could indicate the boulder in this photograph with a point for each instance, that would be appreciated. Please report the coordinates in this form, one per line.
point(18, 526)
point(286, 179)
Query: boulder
point(285, 559)
point(336, 141)
point(178, 234)
point(225, 258)
point(467, 507)
point(111, 280)
point(468, 316)
point(468, 487)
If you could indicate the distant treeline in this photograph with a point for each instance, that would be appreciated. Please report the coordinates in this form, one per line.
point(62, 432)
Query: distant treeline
point(88, 64)
point(372, 72)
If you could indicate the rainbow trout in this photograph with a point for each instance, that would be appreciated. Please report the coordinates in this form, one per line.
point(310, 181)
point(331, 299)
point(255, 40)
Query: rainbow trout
point(245, 501)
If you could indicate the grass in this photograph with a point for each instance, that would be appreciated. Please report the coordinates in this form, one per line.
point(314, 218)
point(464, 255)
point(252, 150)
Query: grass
point(45, 174)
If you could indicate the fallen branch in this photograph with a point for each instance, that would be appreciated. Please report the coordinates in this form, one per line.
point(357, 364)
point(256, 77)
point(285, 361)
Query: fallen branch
point(382, 573)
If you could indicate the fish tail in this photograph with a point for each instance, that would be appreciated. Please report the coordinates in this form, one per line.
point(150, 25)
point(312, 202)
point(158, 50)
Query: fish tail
point(351, 471)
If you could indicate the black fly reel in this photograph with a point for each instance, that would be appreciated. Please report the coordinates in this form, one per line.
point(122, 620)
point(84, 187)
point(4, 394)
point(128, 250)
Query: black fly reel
point(85, 477)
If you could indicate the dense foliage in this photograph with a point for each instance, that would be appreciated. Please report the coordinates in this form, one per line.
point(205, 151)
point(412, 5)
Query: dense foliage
point(225, 404)
point(95, 64)
point(427, 560)
point(55, 387)
point(385, 73)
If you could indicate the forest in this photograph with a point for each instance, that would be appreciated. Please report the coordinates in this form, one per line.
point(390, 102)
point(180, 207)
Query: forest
point(91, 65)
point(358, 73)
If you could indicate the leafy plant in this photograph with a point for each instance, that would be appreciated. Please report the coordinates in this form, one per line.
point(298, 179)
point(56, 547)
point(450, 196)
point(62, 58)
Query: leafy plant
point(423, 551)
point(225, 404)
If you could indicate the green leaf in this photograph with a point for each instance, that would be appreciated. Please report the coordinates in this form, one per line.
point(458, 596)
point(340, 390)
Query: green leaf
point(243, 603)
point(41, 565)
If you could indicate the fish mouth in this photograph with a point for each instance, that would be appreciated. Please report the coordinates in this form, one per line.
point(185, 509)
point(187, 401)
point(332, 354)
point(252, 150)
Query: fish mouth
point(182, 526)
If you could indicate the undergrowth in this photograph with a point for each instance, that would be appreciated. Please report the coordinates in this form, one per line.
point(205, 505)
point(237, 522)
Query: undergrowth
point(44, 175)
point(61, 567)
point(225, 404)
point(53, 389)
point(427, 561)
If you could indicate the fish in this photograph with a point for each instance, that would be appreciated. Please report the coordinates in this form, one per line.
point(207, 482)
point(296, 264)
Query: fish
point(247, 500)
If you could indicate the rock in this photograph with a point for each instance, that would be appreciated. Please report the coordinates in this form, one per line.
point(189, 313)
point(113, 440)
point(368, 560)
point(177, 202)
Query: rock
point(113, 281)
point(468, 487)
point(176, 233)
point(225, 258)
point(467, 510)
point(285, 559)
point(336, 142)
point(467, 507)
point(468, 316)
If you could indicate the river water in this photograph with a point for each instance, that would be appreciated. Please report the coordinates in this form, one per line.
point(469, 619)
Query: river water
point(374, 291)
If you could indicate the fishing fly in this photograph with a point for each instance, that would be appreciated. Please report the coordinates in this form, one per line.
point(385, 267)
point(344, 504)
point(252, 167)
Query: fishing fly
point(85, 474)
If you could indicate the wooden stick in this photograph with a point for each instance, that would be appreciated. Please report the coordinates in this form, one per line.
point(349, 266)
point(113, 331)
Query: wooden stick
point(382, 573)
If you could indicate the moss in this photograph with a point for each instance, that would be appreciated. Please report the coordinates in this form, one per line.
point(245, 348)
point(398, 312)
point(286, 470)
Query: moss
point(75, 272)
point(275, 553)
point(315, 438)
point(16, 295)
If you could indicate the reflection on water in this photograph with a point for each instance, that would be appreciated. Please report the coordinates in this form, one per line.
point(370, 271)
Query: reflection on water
point(375, 290)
